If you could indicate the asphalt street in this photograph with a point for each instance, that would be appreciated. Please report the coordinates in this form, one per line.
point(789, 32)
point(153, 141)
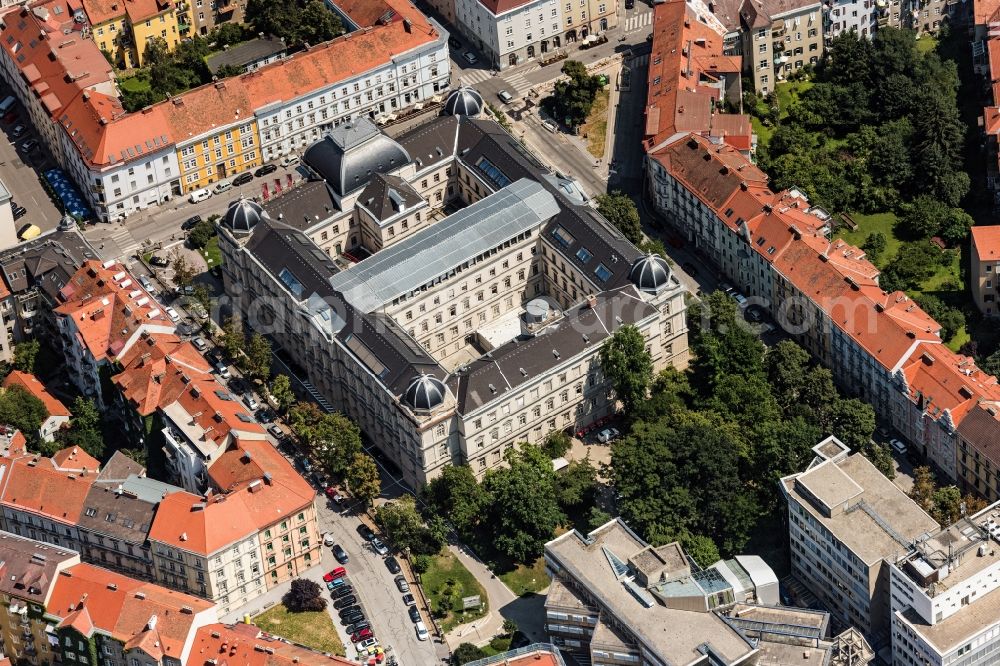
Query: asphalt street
point(22, 179)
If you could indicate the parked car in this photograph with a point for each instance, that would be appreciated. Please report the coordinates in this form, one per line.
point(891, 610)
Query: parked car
point(366, 532)
point(741, 300)
point(29, 145)
point(191, 223)
point(328, 541)
point(187, 290)
point(198, 310)
point(275, 431)
point(336, 583)
point(342, 591)
point(608, 435)
point(339, 572)
point(340, 554)
point(392, 565)
point(366, 644)
point(361, 635)
point(265, 415)
point(898, 446)
point(157, 260)
point(402, 584)
point(334, 494)
point(505, 97)
point(251, 401)
point(266, 169)
point(185, 328)
point(629, 4)
point(172, 314)
point(10, 117)
point(470, 57)
point(380, 548)
point(409, 600)
point(550, 126)
point(346, 601)
point(422, 634)
point(414, 613)
point(200, 344)
point(146, 283)
point(242, 179)
point(454, 43)
point(18, 131)
point(289, 160)
point(222, 370)
point(304, 463)
point(19, 211)
point(223, 186)
point(200, 195)
point(354, 628)
point(351, 611)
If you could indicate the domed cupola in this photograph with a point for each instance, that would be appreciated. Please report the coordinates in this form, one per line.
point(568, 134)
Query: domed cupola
point(464, 102)
point(242, 216)
point(650, 273)
point(424, 393)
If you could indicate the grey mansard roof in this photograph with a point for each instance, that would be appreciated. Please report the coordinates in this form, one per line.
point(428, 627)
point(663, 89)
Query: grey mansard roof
point(351, 153)
point(386, 196)
point(460, 237)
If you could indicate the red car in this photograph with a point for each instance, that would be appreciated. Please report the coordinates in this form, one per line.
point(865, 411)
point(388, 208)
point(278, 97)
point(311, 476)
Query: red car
point(10, 117)
point(339, 572)
point(361, 635)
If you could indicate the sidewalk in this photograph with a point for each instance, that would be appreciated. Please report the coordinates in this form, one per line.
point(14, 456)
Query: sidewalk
point(498, 594)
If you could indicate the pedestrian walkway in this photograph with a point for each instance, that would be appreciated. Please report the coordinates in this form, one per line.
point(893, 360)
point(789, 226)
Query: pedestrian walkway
point(638, 21)
point(516, 83)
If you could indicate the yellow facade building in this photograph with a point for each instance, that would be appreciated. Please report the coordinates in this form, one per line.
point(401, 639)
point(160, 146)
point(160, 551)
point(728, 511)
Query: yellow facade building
point(124, 28)
point(219, 156)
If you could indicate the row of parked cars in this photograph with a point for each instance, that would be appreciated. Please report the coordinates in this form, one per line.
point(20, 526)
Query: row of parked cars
point(242, 179)
point(401, 584)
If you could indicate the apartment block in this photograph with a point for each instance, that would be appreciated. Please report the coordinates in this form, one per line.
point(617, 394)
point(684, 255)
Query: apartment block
point(614, 599)
point(984, 262)
point(427, 343)
point(945, 595)
point(979, 453)
point(126, 162)
point(775, 38)
point(58, 415)
point(205, 15)
point(845, 522)
point(102, 313)
point(124, 28)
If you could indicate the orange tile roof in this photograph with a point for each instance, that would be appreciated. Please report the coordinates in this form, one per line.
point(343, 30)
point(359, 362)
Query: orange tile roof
point(940, 381)
point(99, 11)
point(31, 384)
point(140, 10)
point(75, 459)
point(108, 309)
point(200, 525)
point(35, 485)
point(366, 13)
point(157, 370)
point(246, 645)
point(986, 240)
point(136, 613)
point(986, 11)
point(213, 411)
point(105, 135)
point(991, 120)
point(686, 65)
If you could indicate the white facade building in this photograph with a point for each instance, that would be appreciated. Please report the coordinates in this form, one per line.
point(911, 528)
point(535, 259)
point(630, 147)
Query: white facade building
point(511, 32)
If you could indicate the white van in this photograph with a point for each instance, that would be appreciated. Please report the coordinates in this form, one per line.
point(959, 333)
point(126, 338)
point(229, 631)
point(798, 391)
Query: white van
point(289, 160)
point(200, 195)
point(223, 186)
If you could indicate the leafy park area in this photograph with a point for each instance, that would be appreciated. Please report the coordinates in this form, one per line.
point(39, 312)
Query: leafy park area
point(595, 129)
point(573, 98)
point(446, 582)
point(705, 450)
point(876, 135)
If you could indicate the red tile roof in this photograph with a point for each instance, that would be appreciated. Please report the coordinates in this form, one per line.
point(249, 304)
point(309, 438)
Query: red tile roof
point(75, 459)
point(246, 645)
point(99, 11)
point(104, 134)
point(36, 486)
point(109, 310)
point(986, 11)
point(136, 613)
point(941, 381)
point(140, 10)
point(31, 384)
point(157, 370)
point(497, 7)
point(685, 80)
point(987, 242)
point(200, 525)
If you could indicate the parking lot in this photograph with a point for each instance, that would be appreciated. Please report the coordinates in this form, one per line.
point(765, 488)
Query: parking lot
point(22, 170)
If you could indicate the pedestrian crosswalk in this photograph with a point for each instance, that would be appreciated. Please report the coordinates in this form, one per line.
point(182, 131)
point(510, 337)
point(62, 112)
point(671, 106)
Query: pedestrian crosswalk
point(127, 245)
point(516, 84)
point(638, 21)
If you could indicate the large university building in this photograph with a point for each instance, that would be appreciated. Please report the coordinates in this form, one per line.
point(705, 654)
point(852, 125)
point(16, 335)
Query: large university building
point(476, 318)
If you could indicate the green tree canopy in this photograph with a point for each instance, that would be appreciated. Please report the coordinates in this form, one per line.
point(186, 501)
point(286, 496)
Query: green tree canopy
point(524, 510)
point(455, 493)
point(627, 364)
point(298, 22)
point(620, 210)
point(257, 360)
point(363, 478)
point(25, 355)
point(281, 389)
point(403, 525)
point(23, 411)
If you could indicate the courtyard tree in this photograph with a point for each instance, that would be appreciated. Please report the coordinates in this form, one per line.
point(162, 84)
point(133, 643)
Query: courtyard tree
point(363, 478)
point(304, 595)
point(620, 210)
point(281, 389)
point(627, 364)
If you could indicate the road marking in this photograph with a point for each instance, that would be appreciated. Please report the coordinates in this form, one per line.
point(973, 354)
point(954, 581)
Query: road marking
point(637, 21)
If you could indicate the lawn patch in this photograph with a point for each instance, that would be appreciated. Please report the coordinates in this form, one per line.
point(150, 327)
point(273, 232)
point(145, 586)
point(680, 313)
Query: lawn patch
point(596, 126)
point(212, 253)
point(524, 579)
point(884, 223)
point(446, 582)
point(788, 92)
point(312, 629)
point(137, 83)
